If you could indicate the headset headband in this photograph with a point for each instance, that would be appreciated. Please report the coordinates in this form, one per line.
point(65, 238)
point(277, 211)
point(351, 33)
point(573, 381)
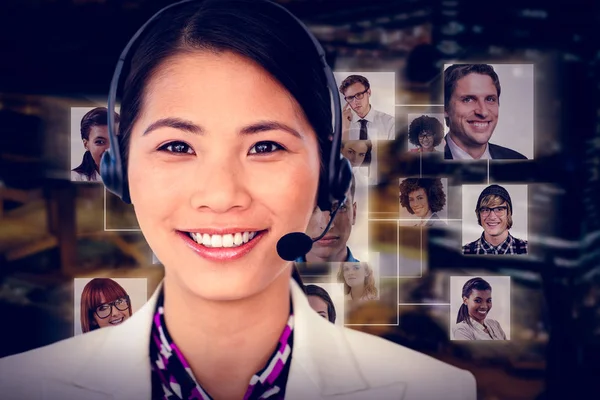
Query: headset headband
point(339, 171)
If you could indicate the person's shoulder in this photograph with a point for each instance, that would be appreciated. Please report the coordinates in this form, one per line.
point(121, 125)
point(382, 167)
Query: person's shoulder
point(373, 349)
point(383, 115)
point(374, 355)
point(470, 248)
point(55, 361)
point(504, 153)
point(62, 353)
point(77, 177)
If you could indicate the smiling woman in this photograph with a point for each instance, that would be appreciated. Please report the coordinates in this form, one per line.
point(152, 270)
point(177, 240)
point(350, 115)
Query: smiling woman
point(225, 138)
point(472, 322)
point(104, 303)
point(94, 135)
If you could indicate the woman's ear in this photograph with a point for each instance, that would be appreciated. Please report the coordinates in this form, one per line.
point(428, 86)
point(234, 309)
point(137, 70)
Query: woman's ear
point(85, 144)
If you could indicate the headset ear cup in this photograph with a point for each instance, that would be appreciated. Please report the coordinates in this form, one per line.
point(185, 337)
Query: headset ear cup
point(113, 177)
point(344, 179)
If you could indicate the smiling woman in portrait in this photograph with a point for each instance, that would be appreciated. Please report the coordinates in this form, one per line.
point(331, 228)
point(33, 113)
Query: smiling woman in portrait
point(423, 198)
point(224, 139)
point(426, 133)
point(104, 303)
point(472, 322)
point(94, 135)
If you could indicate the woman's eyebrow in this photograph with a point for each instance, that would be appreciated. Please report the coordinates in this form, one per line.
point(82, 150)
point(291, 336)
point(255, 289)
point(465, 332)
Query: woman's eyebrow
point(264, 126)
point(189, 126)
point(176, 123)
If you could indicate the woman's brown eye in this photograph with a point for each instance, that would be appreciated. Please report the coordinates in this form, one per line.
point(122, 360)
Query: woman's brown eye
point(265, 147)
point(177, 147)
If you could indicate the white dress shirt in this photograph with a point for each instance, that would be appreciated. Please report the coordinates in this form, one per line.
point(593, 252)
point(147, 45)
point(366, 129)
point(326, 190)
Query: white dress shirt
point(460, 154)
point(380, 126)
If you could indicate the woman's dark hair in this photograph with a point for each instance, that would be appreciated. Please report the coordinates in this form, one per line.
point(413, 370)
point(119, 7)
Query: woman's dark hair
point(314, 290)
point(256, 29)
point(368, 157)
point(425, 123)
point(468, 287)
point(433, 188)
point(96, 117)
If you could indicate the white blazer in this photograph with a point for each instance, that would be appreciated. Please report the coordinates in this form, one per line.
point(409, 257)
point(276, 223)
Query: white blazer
point(328, 362)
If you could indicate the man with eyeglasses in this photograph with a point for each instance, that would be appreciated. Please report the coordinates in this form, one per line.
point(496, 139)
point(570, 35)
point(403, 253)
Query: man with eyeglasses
point(360, 121)
point(494, 214)
point(333, 246)
point(471, 109)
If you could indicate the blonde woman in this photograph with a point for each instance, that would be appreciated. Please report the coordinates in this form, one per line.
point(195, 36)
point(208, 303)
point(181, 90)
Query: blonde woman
point(358, 280)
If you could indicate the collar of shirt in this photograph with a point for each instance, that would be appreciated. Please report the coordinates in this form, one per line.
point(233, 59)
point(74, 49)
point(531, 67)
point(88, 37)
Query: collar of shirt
point(502, 248)
point(350, 257)
point(369, 117)
point(460, 154)
point(478, 325)
point(173, 379)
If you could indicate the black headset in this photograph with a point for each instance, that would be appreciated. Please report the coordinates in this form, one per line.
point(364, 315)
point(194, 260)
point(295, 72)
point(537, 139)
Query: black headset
point(332, 188)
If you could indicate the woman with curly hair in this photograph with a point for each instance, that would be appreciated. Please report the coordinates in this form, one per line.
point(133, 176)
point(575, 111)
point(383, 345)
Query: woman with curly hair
point(426, 133)
point(423, 197)
point(358, 280)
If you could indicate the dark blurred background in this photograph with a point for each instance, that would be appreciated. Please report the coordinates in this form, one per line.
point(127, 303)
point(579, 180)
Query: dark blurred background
point(58, 54)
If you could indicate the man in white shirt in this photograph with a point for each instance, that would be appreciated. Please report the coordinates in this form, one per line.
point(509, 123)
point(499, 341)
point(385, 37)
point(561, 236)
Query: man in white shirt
point(360, 120)
point(471, 109)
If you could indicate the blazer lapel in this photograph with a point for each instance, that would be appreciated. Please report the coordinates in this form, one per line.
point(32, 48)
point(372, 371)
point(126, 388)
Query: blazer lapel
point(447, 152)
point(127, 373)
point(323, 364)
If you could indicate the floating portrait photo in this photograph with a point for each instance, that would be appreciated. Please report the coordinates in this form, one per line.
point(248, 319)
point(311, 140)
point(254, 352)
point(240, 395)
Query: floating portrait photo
point(89, 140)
point(423, 202)
point(106, 302)
point(480, 308)
point(489, 103)
point(347, 238)
point(426, 133)
point(327, 299)
point(362, 155)
point(368, 105)
point(494, 219)
point(361, 280)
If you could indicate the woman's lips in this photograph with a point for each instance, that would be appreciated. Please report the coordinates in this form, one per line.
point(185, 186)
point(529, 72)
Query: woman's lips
point(222, 254)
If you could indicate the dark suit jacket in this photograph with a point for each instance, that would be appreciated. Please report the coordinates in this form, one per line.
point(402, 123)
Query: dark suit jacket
point(497, 153)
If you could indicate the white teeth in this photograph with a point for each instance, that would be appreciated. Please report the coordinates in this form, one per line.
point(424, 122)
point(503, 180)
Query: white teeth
point(216, 241)
point(227, 240)
point(238, 239)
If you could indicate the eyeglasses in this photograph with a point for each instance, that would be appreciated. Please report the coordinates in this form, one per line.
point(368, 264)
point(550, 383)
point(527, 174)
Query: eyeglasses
point(499, 211)
point(358, 96)
point(425, 135)
point(104, 310)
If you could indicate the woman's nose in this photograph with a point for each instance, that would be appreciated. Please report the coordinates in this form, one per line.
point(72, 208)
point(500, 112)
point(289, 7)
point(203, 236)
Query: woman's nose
point(221, 185)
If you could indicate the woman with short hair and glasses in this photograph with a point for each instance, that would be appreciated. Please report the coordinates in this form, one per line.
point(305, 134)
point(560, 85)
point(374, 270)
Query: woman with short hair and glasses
point(104, 303)
point(426, 133)
point(494, 213)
